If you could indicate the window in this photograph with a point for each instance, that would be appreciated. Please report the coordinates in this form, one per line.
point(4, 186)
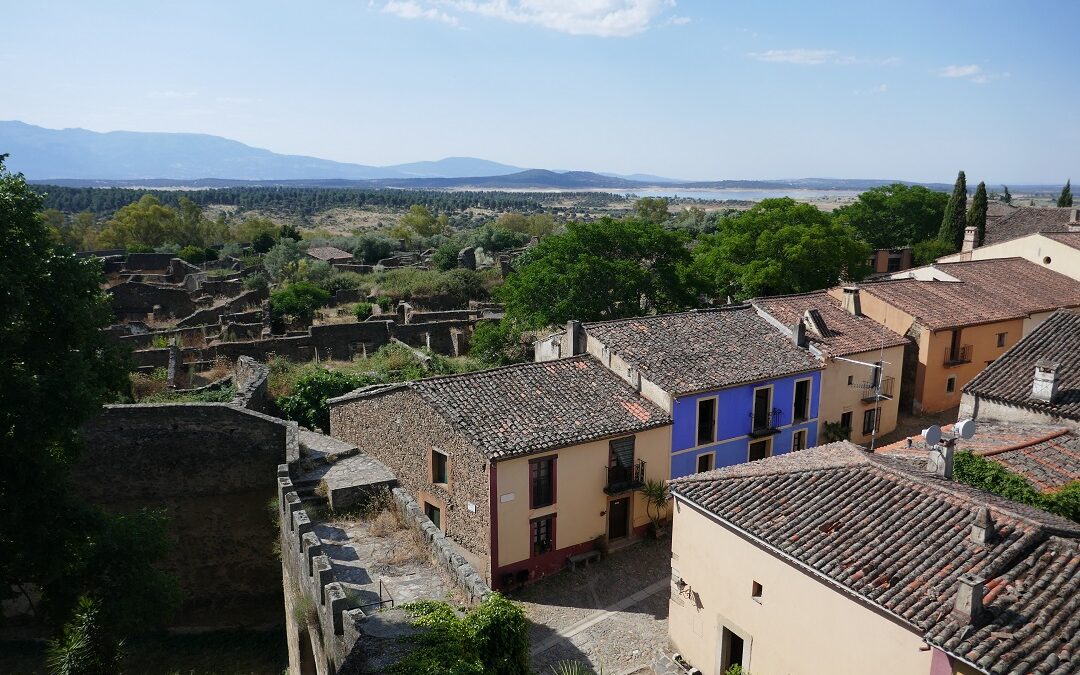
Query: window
point(755, 591)
point(762, 415)
point(542, 482)
point(798, 440)
point(850, 380)
point(706, 421)
point(438, 467)
point(543, 535)
point(845, 421)
point(801, 409)
point(434, 514)
point(870, 421)
point(894, 263)
point(705, 462)
point(1001, 339)
point(950, 385)
point(731, 650)
point(758, 450)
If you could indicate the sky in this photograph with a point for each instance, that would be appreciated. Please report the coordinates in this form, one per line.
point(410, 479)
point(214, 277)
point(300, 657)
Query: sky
point(690, 89)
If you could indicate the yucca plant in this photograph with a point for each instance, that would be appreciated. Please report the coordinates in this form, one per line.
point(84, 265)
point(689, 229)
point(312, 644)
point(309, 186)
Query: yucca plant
point(656, 496)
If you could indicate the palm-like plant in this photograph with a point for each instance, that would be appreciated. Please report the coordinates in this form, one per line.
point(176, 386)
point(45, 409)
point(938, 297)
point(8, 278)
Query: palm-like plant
point(656, 496)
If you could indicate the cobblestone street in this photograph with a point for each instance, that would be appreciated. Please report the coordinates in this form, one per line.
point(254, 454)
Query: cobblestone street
point(611, 614)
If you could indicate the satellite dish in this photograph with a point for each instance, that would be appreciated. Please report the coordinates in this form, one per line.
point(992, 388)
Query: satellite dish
point(932, 434)
point(965, 429)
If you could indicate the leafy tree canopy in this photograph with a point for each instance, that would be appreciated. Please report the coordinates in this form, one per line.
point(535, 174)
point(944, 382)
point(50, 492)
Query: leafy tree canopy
point(537, 224)
point(779, 246)
point(421, 221)
point(298, 301)
point(892, 216)
point(652, 209)
point(601, 270)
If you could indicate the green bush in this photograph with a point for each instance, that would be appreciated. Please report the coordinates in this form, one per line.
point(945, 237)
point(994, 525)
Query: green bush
point(498, 343)
point(85, 647)
point(385, 303)
point(307, 404)
point(257, 281)
point(192, 254)
point(263, 242)
point(986, 474)
point(445, 257)
point(298, 300)
point(363, 311)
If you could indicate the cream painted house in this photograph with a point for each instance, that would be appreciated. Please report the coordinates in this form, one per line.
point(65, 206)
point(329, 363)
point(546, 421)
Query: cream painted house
point(527, 468)
point(835, 560)
point(1056, 251)
point(860, 386)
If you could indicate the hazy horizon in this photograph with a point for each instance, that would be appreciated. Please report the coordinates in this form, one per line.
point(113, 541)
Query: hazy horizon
point(687, 90)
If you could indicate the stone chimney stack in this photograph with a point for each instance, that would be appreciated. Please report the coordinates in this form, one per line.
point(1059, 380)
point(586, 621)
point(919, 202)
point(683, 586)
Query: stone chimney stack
point(798, 334)
point(1074, 220)
point(575, 338)
point(852, 303)
point(971, 235)
point(940, 461)
point(1045, 384)
point(969, 598)
point(983, 530)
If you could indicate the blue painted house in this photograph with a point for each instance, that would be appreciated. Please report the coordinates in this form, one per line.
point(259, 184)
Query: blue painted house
point(739, 386)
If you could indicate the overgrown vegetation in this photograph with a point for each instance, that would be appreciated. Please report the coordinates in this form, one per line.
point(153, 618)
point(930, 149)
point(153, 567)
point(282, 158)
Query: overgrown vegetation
point(493, 638)
point(991, 476)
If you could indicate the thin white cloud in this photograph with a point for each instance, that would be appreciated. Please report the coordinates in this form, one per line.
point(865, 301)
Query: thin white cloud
point(410, 9)
point(960, 71)
point(817, 57)
point(677, 21)
point(880, 89)
point(603, 18)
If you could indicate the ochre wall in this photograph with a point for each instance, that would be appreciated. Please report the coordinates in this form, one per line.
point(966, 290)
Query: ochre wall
point(800, 625)
point(581, 473)
point(837, 397)
point(983, 340)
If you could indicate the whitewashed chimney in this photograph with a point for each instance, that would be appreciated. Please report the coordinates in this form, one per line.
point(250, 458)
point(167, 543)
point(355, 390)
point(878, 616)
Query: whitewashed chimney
point(1044, 386)
point(852, 303)
point(971, 234)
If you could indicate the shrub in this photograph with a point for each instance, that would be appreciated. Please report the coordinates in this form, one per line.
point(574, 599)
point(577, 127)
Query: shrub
point(263, 242)
point(445, 257)
point(257, 281)
point(307, 404)
point(192, 254)
point(85, 647)
point(363, 311)
point(298, 300)
point(385, 303)
point(498, 343)
point(986, 474)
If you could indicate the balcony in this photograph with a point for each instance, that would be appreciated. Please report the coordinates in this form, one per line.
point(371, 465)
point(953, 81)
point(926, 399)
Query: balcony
point(625, 478)
point(764, 423)
point(881, 391)
point(958, 355)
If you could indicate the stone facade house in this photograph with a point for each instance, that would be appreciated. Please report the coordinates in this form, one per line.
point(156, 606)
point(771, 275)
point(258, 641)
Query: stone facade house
point(737, 386)
point(524, 468)
point(330, 254)
point(960, 317)
point(860, 386)
point(836, 560)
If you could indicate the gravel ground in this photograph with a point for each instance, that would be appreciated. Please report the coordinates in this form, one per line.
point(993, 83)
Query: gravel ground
point(623, 641)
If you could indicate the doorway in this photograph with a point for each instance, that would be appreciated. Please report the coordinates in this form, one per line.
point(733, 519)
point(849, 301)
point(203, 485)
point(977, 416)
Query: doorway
point(618, 518)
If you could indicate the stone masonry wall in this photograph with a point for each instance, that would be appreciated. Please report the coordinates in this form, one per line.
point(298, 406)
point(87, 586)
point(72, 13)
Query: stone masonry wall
point(400, 429)
point(210, 466)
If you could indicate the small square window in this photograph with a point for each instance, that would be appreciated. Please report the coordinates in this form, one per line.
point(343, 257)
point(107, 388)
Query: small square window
point(434, 514)
point(798, 440)
point(755, 591)
point(850, 380)
point(705, 462)
point(1001, 339)
point(950, 385)
point(438, 467)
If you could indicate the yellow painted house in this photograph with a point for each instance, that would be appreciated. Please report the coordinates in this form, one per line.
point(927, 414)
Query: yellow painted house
point(527, 469)
point(961, 316)
point(836, 560)
point(1056, 251)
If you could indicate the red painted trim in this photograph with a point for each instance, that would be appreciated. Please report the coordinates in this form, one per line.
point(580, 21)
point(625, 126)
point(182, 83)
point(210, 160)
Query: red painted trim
point(541, 565)
point(493, 488)
point(554, 517)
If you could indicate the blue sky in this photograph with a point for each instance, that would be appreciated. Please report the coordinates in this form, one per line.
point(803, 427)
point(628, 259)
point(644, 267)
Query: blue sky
point(694, 89)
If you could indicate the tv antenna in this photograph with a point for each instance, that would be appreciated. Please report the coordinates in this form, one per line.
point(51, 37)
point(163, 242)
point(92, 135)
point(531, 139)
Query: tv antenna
point(942, 447)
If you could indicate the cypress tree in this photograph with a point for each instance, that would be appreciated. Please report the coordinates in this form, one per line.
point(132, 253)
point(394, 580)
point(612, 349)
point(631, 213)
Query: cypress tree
point(1006, 196)
point(954, 222)
point(1065, 198)
point(976, 215)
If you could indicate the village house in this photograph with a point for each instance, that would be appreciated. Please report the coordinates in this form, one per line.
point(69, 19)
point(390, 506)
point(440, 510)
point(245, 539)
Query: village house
point(960, 317)
point(525, 468)
point(329, 254)
point(1057, 248)
point(890, 260)
point(1035, 382)
point(737, 386)
point(1005, 221)
point(835, 560)
point(860, 385)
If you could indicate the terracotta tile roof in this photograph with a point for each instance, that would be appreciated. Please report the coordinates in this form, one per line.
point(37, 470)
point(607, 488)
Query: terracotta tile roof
point(844, 333)
point(1009, 378)
point(1047, 456)
point(703, 350)
point(1026, 220)
point(531, 407)
point(329, 253)
point(987, 291)
point(900, 539)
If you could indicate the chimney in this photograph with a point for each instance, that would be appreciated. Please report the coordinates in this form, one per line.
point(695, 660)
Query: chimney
point(1045, 385)
point(575, 338)
point(971, 234)
point(940, 461)
point(983, 530)
point(798, 334)
point(1074, 220)
point(969, 598)
point(851, 301)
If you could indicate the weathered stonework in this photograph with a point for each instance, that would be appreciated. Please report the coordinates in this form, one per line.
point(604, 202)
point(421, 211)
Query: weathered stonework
point(400, 429)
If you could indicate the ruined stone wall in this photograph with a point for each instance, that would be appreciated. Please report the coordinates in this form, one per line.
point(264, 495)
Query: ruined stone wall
point(211, 467)
point(212, 315)
point(135, 298)
point(400, 430)
point(250, 378)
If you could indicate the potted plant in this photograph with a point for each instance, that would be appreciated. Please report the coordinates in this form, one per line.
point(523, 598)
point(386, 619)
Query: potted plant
point(656, 500)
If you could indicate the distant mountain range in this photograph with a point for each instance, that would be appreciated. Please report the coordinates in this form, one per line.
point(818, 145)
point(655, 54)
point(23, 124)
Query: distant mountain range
point(77, 157)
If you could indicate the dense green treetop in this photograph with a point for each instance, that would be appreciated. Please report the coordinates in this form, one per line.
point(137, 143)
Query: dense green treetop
point(976, 215)
point(652, 209)
point(778, 246)
point(1065, 199)
point(1006, 196)
point(892, 216)
point(954, 220)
